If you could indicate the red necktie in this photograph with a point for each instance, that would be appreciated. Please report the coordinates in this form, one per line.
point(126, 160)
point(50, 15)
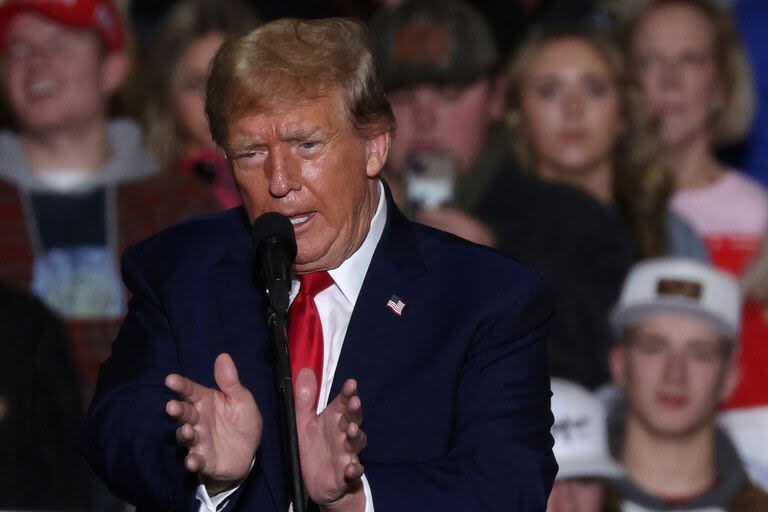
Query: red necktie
point(305, 331)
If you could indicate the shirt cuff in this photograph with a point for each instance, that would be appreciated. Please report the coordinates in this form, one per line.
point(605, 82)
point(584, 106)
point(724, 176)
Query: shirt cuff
point(215, 503)
point(368, 495)
point(219, 501)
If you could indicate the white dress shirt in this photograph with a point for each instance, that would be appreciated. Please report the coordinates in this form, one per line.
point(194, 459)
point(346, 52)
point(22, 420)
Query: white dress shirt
point(335, 305)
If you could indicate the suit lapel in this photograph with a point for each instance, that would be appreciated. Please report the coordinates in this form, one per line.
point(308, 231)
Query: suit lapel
point(374, 329)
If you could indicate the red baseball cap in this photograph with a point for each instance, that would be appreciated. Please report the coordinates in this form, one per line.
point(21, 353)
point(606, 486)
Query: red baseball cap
point(101, 16)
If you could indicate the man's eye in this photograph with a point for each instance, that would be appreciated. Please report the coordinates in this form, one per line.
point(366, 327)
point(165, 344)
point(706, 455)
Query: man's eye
point(547, 91)
point(650, 345)
point(247, 155)
point(309, 145)
point(15, 51)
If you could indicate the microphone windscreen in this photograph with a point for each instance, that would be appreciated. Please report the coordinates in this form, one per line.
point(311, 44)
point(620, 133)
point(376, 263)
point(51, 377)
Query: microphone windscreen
point(273, 224)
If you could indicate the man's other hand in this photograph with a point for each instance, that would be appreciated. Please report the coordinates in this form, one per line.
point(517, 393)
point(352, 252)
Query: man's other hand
point(329, 444)
point(221, 428)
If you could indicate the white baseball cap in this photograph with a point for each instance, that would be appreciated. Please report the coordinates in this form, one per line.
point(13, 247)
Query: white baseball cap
point(682, 286)
point(581, 434)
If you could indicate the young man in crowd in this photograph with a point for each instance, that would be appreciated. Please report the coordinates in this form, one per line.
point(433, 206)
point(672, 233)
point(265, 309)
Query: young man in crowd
point(440, 67)
point(677, 323)
point(581, 450)
point(75, 187)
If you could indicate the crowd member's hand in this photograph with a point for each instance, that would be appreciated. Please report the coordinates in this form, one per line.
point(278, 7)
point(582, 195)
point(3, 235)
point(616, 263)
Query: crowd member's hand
point(221, 428)
point(459, 223)
point(329, 444)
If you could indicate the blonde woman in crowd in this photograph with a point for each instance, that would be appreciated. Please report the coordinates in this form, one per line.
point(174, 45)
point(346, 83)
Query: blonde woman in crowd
point(694, 74)
point(576, 121)
point(179, 57)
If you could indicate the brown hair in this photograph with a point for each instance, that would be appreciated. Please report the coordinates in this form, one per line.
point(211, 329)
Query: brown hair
point(641, 185)
point(184, 24)
point(302, 59)
point(731, 122)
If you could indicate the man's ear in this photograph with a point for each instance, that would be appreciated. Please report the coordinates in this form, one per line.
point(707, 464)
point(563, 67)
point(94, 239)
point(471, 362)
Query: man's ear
point(377, 149)
point(731, 377)
point(497, 100)
point(115, 68)
point(618, 366)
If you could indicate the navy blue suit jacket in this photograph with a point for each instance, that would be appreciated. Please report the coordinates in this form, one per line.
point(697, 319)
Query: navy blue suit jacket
point(455, 391)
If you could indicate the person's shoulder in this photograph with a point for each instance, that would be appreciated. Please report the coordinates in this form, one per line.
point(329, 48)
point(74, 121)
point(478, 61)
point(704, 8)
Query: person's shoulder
point(196, 243)
point(751, 497)
point(471, 267)
point(746, 187)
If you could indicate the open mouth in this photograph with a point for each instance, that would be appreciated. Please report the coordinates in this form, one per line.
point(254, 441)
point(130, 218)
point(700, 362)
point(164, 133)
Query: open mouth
point(300, 220)
point(42, 87)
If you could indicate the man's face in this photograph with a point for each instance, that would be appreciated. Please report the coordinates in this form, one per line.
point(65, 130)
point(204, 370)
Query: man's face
point(307, 162)
point(443, 119)
point(675, 370)
point(55, 75)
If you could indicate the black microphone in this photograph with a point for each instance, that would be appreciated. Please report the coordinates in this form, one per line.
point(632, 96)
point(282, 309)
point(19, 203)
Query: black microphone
point(275, 245)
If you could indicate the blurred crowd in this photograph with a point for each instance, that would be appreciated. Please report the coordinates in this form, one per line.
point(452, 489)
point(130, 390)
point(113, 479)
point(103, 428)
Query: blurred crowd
point(618, 147)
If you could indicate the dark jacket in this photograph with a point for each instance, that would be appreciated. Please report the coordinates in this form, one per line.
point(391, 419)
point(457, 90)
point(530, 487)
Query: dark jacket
point(582, 250)
point(40, 410)
point(465, 364)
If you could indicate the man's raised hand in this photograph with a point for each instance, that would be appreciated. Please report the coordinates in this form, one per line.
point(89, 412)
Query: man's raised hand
point(221, 428)
point(329, 444)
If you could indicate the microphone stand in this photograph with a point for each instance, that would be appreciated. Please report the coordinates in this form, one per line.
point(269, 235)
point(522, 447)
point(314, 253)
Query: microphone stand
point(276, 319)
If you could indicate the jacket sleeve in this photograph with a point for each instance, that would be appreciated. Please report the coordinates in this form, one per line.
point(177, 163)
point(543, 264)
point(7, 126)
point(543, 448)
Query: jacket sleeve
point(500, 458)
point(129, 440)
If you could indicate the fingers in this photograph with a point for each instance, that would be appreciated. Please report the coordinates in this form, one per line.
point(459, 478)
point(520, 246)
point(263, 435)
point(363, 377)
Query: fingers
point(194, 462)
point(186, 435)
point(182, 412)
point(225, 373)
point(305, 391)
point(187, 389)
point(352, 406)
point(356, 439)
point(353, 470)
point(352, 418)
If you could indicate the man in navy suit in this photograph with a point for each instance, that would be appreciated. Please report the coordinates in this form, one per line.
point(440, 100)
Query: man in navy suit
point(439, 338)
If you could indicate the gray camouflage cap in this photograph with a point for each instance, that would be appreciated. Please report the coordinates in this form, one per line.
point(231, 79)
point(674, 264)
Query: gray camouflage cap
point(430, 41)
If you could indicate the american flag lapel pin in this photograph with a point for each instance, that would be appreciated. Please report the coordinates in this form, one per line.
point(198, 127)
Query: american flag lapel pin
point(396, 304)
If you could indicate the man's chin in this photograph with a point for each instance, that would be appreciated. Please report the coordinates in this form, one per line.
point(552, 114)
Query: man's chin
point(313, 260)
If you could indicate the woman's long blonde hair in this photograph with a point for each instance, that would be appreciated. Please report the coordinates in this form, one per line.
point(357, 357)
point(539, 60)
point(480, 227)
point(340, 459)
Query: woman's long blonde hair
point(641, 185)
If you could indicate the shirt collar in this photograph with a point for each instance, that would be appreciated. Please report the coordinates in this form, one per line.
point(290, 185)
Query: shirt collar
point(350, 274)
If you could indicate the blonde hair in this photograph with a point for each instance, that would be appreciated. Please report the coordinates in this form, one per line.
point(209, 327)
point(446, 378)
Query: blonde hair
point(731, 122)
point(291, 60)
point(184, 24)
point(641, 185)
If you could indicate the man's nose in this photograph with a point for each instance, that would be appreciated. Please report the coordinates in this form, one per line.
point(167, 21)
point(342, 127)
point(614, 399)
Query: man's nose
point(675, 368)
point(670, 75)
point(573, 105)
point(424, 113)
point(283, 173)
